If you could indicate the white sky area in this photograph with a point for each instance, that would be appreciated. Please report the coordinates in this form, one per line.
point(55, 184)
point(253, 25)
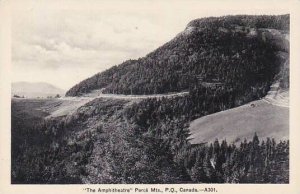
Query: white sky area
point(63, 46)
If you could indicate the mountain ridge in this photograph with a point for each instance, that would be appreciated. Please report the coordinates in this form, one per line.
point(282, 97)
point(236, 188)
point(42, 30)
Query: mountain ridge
point(35, 89)
point(146, 140)
point(194, 54)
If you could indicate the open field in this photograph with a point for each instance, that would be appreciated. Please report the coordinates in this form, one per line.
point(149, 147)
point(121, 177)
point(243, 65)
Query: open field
point(236, 124)
point(21, 107)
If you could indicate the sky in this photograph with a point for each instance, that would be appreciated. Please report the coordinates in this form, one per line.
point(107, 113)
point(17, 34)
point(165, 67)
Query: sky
point(65, 45)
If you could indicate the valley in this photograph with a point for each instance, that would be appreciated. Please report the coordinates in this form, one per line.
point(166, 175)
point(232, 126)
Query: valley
point(209, 106)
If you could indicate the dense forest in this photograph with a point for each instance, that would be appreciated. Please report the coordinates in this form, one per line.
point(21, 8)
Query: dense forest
point(122, 147)
point(233, 51)
point(222, 62)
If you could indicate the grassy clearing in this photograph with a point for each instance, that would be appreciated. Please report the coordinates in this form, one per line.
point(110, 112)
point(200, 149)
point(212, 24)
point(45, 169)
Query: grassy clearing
point(242, 122)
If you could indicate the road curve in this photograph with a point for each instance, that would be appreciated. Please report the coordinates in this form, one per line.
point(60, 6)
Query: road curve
point(69, 105)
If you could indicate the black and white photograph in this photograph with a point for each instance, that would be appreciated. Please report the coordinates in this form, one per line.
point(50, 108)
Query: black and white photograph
point(149, 93)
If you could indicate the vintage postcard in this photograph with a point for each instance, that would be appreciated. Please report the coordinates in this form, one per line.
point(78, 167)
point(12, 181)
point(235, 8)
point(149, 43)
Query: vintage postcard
point(149, 96)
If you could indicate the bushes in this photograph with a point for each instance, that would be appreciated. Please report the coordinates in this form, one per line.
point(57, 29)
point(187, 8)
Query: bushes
point(113, 141)
point(141, 143)
point(251, 162)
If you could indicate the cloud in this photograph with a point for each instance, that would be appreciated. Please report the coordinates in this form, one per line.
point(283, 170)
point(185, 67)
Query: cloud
point(80, 39)
point(78, 44)
point(64, 46)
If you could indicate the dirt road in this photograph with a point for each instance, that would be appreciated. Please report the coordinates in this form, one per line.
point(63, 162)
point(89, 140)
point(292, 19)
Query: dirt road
point(68, 105)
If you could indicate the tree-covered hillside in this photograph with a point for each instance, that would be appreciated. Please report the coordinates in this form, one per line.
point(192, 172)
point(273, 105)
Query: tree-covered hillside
point(103, 142)
point(222, 62)
point(232, 51)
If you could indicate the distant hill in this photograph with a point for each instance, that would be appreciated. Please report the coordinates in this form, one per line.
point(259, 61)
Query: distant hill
point(35, 89)
point(234, 51)
point(223, 64)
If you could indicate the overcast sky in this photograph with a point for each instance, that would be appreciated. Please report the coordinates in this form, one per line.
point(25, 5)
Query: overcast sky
point(65, 46)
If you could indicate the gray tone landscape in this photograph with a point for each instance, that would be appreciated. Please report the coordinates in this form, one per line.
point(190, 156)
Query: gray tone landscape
point(209, 106)
point(34, 90)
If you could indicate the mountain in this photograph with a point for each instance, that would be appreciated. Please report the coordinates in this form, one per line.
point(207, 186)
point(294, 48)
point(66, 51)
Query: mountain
point(233, 51)
point(267, 117)
point(214, 71)
point(35, 89)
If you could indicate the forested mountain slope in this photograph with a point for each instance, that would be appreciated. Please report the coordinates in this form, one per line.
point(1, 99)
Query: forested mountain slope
point(221, 62)
point(232, 51)
point(104, 142)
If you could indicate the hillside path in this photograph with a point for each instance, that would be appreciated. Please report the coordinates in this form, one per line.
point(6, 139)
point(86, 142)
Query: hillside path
point(68, 105)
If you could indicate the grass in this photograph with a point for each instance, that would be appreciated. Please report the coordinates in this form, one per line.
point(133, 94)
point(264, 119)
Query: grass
point(29, 107)
point(242, 122)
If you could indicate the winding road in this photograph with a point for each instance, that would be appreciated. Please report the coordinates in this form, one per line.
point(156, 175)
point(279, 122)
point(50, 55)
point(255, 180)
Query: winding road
point(67, 105)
